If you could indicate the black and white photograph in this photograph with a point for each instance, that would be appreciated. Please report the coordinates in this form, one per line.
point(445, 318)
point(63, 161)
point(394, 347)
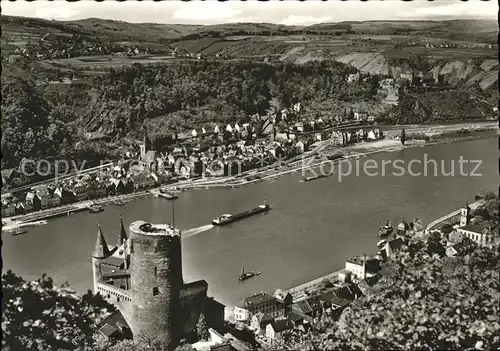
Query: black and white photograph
point(250, 175)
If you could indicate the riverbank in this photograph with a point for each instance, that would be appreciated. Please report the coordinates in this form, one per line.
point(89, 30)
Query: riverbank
point(309, 221)
point(309, 160)
point(312, 287)
point(444, 219)
point(15, 221)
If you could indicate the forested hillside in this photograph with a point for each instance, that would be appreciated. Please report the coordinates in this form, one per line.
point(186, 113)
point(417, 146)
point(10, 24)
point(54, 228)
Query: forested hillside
point(229, 91)
point(221, 73)
point(170, 98)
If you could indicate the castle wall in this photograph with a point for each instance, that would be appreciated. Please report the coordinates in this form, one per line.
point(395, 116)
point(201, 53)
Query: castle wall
point(192, 298)
point(156, 281)
point(96, 272)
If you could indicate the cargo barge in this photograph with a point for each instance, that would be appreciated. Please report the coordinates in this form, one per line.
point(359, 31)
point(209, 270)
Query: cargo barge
point(308, 179)
point(96, 209)
point(229, 218)
point(167, 195)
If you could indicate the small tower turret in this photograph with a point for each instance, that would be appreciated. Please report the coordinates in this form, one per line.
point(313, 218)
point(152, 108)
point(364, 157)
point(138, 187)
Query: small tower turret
point(465, 215)
point(101, 251)
point(122, 235)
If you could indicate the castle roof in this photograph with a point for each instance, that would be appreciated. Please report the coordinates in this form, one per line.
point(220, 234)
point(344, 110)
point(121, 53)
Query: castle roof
point(122, 235)
point(145, 228)
point(101, 249)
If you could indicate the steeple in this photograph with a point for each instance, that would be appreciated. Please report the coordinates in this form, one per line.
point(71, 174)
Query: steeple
point(145, 138)
point(465, 215)
point(101, 249)
point(122, 235)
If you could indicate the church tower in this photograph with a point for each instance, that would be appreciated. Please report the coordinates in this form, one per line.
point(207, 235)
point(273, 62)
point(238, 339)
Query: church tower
point(465, 215)
point(101, 251)
point(145, 143)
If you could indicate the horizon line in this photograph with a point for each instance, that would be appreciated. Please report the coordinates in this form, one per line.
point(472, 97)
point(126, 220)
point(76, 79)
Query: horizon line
point(436, 19)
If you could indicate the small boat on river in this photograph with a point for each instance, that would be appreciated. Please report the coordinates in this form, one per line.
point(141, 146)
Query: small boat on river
point(96, 209)
point(385, 229)
point(247, 275)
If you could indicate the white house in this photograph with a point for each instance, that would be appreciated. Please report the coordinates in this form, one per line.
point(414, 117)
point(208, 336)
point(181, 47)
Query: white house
point(278, 327)
point(299, 126)
point(284, 113)
point(371, 135)
point(259, 322)
point(300, 146)
point(356, 267)
point(241, 314)
point(353, 78)
point(479, 233)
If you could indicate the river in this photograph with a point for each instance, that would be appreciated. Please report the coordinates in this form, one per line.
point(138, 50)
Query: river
point(311, 230)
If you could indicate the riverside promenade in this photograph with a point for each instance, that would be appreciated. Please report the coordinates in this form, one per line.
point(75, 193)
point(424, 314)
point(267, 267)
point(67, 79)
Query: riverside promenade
point(444, 218)
point(69, 209)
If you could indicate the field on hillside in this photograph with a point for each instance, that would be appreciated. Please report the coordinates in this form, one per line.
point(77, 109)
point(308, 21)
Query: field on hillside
point(375, 47)
point(102, 62)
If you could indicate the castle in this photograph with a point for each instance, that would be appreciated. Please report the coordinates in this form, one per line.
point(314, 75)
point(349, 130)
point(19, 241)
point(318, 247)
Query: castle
point(142, 276)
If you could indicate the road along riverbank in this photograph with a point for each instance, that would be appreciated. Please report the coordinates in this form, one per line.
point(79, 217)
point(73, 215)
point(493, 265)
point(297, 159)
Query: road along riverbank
point(309, 160)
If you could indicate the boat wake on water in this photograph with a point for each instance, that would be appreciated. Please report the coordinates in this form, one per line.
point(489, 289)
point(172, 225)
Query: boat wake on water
point(195, 231)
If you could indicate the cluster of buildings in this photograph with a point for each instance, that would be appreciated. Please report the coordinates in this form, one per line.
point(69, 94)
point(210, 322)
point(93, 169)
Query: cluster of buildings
point(271, 316)
point(479, 232)
point(210, 151)
point(52, 46)
point(110, 182)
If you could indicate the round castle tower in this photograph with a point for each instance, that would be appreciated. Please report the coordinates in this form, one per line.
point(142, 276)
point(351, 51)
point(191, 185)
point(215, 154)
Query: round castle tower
point(156, 281)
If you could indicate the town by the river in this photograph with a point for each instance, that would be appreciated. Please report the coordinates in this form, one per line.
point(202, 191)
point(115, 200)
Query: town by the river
point(312, 229)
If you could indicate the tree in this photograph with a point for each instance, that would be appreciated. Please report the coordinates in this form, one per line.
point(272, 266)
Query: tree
point(38, 315)
point(425, 303)
point(434, 245)
point(202, 328)
point(492, 206)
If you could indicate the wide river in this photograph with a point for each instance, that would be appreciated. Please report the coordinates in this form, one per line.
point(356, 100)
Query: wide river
point(311, 230)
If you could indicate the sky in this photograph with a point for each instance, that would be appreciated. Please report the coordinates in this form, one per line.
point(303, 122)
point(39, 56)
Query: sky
point(288, 12)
